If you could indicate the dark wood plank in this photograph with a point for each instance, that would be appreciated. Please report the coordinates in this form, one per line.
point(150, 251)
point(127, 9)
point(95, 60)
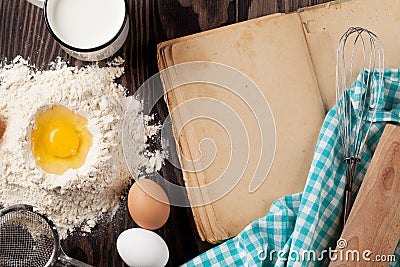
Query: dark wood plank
point(259, 8)
point(23, 32)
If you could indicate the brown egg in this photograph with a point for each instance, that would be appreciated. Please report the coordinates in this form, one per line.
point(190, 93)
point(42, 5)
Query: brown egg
point(148, 204)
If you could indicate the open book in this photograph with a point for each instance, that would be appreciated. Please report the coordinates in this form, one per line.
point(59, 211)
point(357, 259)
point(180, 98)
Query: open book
point(291, 59)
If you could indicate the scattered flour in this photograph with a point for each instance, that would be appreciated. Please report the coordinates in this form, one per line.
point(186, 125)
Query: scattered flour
point(76, 198)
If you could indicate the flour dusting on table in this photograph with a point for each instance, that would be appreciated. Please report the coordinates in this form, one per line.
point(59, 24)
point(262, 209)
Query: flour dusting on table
point(76, 198)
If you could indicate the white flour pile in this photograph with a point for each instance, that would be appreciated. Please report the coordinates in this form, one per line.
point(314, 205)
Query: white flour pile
point(76, 198)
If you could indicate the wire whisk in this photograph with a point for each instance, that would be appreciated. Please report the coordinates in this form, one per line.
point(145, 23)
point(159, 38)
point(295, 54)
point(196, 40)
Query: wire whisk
point(358, 49)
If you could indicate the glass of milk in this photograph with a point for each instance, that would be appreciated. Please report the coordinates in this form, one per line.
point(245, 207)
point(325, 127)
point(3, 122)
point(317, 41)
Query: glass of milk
point(88, 30)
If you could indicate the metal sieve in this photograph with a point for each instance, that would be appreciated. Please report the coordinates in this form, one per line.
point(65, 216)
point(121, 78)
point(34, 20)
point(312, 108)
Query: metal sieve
point(30, 239)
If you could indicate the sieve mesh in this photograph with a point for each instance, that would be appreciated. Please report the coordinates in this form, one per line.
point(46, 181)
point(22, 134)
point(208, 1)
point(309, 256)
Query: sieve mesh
point(26, 239)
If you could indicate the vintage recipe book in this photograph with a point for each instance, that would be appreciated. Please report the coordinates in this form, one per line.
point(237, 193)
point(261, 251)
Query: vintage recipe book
point(291, 59)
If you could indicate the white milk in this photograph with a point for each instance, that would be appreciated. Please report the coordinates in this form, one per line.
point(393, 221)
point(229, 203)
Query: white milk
point(85, 23)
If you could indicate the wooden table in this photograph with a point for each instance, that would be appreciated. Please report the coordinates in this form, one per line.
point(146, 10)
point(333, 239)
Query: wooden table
point(23, 32)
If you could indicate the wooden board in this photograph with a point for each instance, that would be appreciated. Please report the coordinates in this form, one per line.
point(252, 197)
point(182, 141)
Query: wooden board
point(373, 224)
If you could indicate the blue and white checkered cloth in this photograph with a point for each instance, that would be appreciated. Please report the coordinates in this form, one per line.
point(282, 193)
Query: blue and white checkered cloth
point(300, 229)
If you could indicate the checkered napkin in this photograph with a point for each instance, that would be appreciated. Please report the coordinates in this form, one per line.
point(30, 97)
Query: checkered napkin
point(301, 229)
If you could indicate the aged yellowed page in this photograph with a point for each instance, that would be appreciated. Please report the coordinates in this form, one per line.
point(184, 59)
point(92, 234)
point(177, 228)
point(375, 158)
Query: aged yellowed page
point(272, 52)
point(325, 24)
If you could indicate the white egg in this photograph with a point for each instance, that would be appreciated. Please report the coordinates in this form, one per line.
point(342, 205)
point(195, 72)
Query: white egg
point(142, 248)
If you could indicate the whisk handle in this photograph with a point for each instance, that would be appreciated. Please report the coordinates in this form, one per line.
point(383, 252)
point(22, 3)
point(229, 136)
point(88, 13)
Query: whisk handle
point(347, 205)
point(68, 261)
point(351, 168)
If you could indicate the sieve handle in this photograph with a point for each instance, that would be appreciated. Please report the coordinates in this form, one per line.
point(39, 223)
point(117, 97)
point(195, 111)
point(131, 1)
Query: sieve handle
point(39, 3)
point(68, 261)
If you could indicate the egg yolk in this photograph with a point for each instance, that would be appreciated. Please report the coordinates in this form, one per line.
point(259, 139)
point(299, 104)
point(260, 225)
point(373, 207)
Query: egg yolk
point(63, 141)
point(60, 140)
